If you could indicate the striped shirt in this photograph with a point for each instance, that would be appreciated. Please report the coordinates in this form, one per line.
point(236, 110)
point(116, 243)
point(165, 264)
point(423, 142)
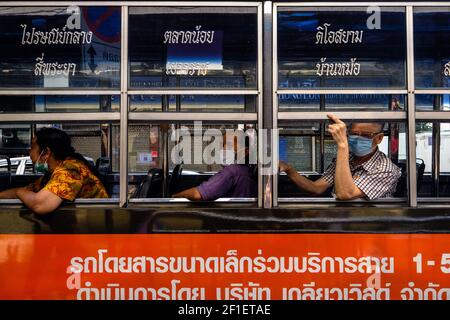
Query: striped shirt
point(376, 178)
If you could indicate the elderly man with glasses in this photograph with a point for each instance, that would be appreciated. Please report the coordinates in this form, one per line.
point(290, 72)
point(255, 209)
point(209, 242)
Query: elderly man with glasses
point(359, 170)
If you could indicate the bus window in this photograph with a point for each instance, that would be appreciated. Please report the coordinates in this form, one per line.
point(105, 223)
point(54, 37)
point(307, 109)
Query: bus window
point(226, 58)
point(309, 149)
point(432, 139)
point(97, 143)
point(193, 103)
point(313, 53)
point(431, 47)
point(166, 159)
point(73, 58)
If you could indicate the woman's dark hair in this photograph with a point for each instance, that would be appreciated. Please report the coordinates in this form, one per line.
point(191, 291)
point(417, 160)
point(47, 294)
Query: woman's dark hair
point(60, 144)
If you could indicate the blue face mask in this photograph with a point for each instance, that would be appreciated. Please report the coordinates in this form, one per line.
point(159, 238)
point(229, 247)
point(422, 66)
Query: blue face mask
point(359, 146)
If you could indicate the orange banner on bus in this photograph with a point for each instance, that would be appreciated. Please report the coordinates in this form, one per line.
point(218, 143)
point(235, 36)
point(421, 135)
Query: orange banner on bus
point(225, 266)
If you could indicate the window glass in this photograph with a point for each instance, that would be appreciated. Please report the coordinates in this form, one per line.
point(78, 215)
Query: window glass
point(430, 102)
point(296, 145)
point(193, 47)
point(341, 102)
point(341, 47)
point(193, 103)
point(98, 143)
point(432, 47)
point(436, 172)
point(60, 47)
point(154, 147)
point(15, 139)
point(59, 103)
point(310, 149)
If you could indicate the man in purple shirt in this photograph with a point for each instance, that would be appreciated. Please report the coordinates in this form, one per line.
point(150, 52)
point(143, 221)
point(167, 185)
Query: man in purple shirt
point(233, 181)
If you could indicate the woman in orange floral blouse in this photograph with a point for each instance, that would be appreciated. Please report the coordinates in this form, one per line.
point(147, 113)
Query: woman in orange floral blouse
point(67, 175)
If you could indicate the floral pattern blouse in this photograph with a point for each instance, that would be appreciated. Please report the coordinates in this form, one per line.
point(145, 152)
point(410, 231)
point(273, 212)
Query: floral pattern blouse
point(70, 180)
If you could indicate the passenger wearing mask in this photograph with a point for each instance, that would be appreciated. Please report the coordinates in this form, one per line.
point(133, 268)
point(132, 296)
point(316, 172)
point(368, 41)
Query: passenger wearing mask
point(67, 174)
point(359, 170)
point(238, 179)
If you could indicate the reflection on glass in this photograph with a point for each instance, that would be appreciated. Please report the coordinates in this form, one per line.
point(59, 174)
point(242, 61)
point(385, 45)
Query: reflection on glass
point(195, 47)
point(193, 103)
point(334, 47)
point(15, 139)
point(432, 47)
point(430, 102)
point(152, 150)
point(144, 147)
point(296, 144)
point(341, 102)
point(60, 47)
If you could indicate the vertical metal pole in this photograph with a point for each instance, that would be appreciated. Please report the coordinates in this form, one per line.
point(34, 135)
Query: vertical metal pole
point(436, 156)
point(436, 138)
point(124, 109)
point(269, 181)
point(322, 148)
point(163, 138)
point(261, 22)
point(393, 130)
point(110, 145)
point(322, 136)
point(412, 171)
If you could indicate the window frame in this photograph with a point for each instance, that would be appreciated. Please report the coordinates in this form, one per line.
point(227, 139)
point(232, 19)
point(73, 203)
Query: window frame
point(207, 117)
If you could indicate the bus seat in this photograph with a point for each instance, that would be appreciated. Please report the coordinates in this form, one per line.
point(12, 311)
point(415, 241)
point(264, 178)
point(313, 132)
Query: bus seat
point(175, 179)
point(103, 166)
point(90, 161)
point(254, 170)
point(402, 182)
point(103, 170)
point(420, 172)
point(151, 185)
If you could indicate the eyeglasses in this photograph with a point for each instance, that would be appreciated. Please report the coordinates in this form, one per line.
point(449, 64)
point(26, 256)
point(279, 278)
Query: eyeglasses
point(365, 134)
